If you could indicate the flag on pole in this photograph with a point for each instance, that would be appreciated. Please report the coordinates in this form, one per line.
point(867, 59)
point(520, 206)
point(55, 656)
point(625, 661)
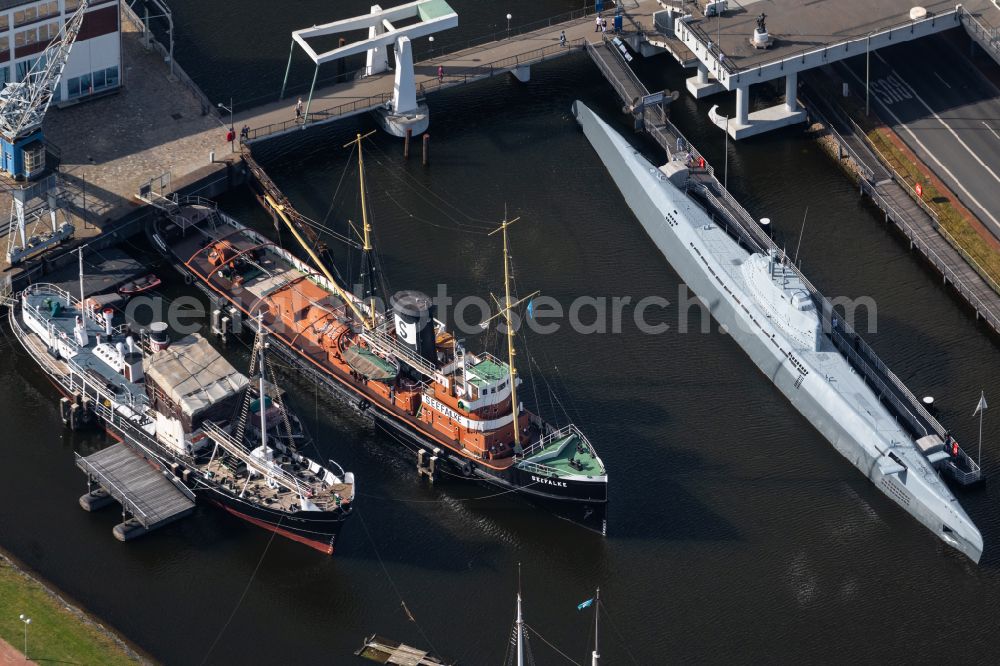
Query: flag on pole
point(585, 604)
point(982, 403)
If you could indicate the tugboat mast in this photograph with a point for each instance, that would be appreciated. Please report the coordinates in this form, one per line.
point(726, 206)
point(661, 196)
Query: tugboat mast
point(508, 304)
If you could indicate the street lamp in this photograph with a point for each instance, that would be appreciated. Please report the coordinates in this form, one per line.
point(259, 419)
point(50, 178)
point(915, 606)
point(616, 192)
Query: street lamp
point(232, 127)
point(431, 40)
point(868, 52)
point(725, 162)
point(27, 621)
point(509, 17)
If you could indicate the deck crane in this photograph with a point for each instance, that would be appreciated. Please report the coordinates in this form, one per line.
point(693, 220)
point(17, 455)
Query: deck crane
point(22, 147)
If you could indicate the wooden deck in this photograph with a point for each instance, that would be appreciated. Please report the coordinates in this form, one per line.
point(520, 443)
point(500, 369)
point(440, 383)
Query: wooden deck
point(146, 493)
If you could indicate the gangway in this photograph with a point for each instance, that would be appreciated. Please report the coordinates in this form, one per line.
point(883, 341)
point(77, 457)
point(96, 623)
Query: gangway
point(150, 498)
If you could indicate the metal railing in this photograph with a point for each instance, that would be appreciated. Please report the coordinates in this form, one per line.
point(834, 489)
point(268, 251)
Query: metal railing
point(524, 29)
point(363, 104)
point(733, 70)
point(207, 107)
point(855, 349)
point(984, 35)
point(914, 234)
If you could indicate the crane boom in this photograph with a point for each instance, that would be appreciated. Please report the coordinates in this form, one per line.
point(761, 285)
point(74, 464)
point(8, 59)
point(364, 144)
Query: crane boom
point(23, 103)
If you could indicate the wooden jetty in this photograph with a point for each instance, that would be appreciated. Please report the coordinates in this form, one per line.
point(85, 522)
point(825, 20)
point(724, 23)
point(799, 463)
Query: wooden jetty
point(150, 498)
point(385, 651)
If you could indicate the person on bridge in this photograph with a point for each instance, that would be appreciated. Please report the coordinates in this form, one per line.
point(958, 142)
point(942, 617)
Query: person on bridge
point(440, 73)
point(562, 38)
point(597, 23)
point(298, 109)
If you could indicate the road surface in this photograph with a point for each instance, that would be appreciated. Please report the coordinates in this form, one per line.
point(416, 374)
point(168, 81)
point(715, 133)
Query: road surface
point(946, 111)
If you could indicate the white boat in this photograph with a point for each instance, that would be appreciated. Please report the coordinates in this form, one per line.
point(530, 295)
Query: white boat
point(767, 307)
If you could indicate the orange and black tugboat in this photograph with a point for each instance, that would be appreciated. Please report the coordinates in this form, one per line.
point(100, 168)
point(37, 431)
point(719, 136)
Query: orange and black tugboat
point(402, 367)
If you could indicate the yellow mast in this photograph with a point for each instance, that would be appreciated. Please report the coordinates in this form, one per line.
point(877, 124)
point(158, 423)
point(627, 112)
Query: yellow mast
point(365, 226)
point(510, 331)
point(347, 298)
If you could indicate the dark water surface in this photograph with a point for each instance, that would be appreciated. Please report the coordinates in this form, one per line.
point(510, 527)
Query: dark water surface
point(736, 532)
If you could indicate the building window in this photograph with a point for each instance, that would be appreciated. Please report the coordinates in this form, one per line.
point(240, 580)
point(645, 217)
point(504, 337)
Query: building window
point(24, 67)
point(47, 9)
point(25, 38)
point(4, 76)
point(48, 32)
point(4, 22)
point(112, 76)
point(4, 43)
point(73, 87)
point(26, 15)
point(100, 80)
point(71, 5)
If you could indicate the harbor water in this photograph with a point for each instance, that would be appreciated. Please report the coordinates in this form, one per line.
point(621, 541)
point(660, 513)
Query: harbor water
point(736, 533)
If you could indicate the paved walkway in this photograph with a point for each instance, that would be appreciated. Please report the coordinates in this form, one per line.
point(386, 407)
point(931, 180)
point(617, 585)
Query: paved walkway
point(10, 656)
point(110, 146)
point(472, 64)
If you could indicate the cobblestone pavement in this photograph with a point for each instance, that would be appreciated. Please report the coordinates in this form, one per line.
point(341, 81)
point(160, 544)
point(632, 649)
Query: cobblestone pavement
point(110, 146)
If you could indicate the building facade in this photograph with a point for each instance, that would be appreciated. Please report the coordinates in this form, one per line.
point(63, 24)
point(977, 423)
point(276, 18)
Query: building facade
point(95, 63)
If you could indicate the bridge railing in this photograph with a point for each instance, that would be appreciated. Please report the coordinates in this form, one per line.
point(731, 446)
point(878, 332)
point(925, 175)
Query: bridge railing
point(469, 75)
point(523, 29)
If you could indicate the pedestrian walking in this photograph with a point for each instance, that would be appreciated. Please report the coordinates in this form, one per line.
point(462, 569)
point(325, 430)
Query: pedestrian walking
point(604, 27)
point(245, 132)
point(298, 109)
point(597, 23)
point(562, 38)
point(440, 73)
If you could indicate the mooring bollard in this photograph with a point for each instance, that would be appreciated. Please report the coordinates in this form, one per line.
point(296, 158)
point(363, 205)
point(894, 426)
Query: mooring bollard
point(406, 143)
point(427, 140)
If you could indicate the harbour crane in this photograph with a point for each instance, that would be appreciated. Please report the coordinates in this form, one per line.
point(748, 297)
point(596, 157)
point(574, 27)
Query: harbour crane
point(22, 147)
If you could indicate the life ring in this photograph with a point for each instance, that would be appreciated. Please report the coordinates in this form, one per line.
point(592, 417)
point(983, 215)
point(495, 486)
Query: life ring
point(363, 405)
point(188, 279)
point(466, 468)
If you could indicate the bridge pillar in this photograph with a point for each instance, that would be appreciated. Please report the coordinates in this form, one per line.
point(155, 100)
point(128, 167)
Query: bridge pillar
point(702, 73)
point(404, 88)
point(742, 104)
point(791, 89)
point(701, 85)
point(522, 73)
point(403, 113)
point(377, 60)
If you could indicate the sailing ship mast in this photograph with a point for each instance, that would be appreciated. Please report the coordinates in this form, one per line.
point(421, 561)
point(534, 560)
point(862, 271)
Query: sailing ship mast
point(279, 209)
point(261, 336)
point(596, 655)
point(366, 228)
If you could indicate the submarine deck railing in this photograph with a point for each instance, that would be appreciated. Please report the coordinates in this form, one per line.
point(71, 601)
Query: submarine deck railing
point(848, 342)
point(744, 227)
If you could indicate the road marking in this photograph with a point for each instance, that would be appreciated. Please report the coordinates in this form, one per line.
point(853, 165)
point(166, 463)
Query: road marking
point(991, 129)
point(930, 154)
point(947, 85)
point(957, 138)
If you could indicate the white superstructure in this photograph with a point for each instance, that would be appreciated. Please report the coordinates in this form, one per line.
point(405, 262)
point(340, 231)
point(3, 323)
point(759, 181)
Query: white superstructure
point(768, 310)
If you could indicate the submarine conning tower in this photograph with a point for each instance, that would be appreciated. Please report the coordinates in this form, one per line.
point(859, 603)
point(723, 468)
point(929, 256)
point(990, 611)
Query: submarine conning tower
point(413, 312)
